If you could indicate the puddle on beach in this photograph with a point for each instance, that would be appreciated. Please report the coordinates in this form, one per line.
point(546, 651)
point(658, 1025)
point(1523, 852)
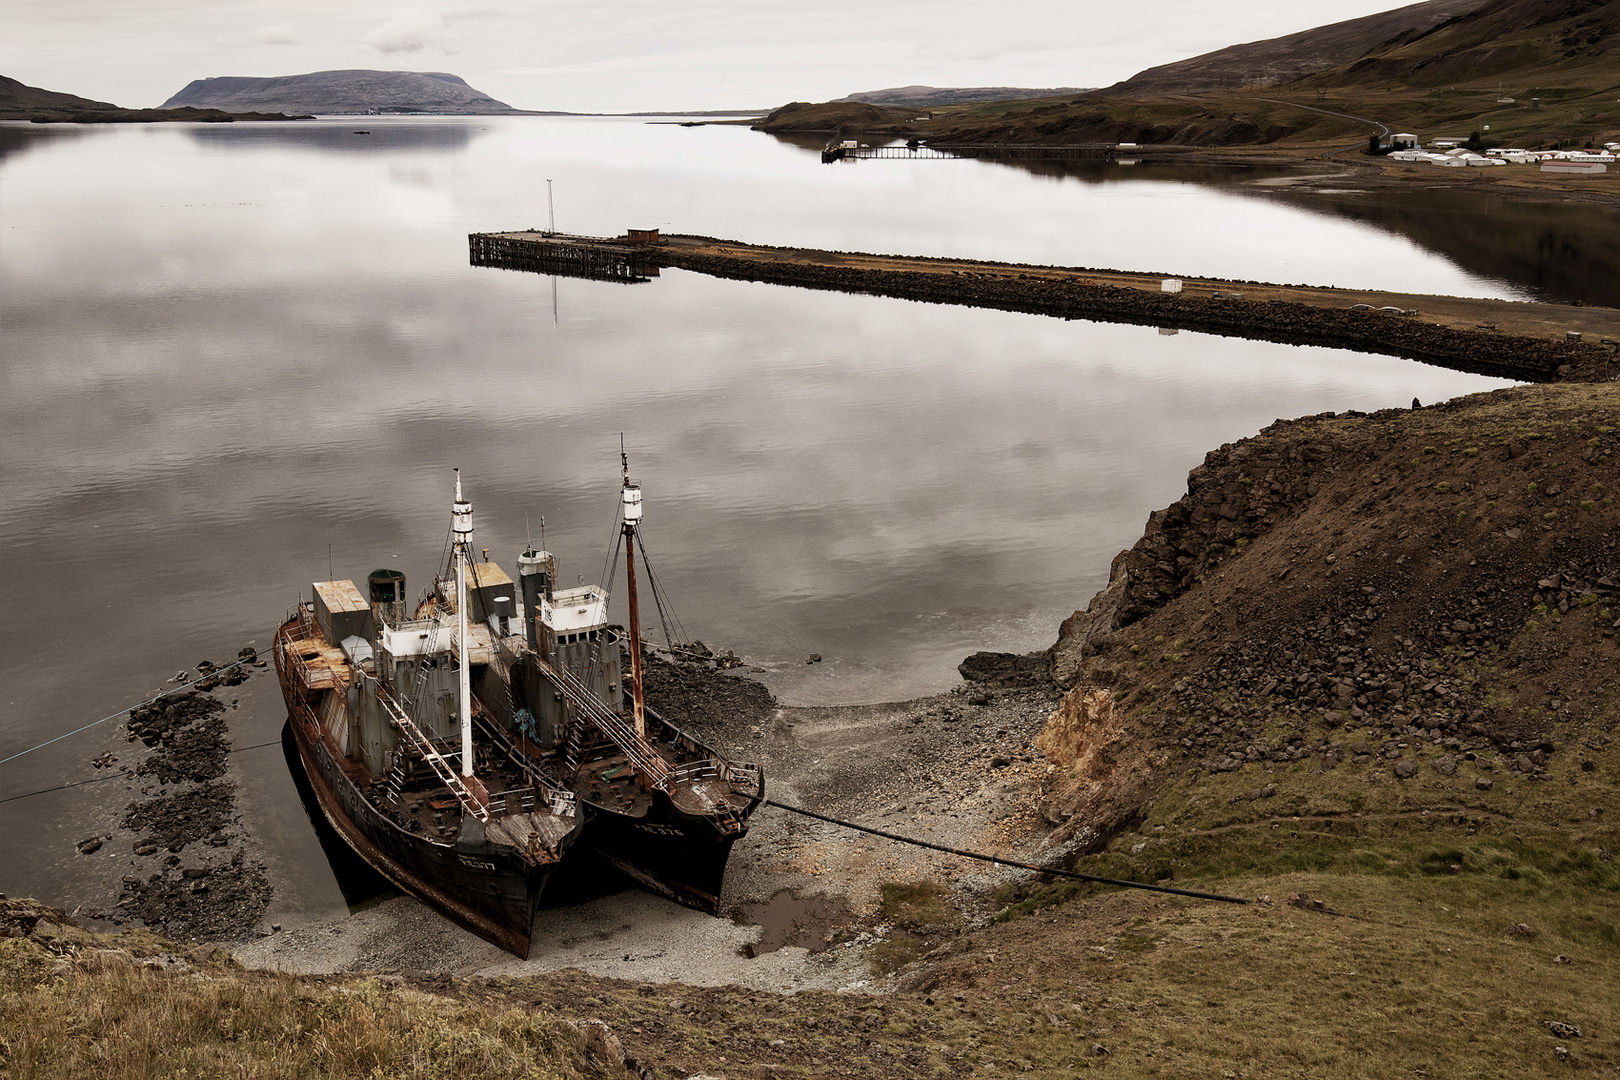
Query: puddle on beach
point(789, 919)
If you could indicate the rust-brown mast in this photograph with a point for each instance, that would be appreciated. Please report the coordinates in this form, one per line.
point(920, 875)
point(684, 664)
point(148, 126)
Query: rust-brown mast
point(631, 495)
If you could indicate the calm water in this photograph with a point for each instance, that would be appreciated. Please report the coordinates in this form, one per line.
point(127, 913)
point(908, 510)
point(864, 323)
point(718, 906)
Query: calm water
point(234, 353)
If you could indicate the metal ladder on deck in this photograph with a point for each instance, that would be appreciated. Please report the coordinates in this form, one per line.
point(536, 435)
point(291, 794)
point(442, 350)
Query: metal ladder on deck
point(586, 704)
point(425, 750)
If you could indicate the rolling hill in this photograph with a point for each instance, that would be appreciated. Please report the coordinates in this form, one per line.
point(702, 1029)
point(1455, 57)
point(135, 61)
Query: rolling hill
point(1520, 43)
point(1296, 56)
point(1537, 73)
point(922, 97)
point(20, 102)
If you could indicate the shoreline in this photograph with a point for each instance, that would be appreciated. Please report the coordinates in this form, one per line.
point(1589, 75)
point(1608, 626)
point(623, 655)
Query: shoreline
point(1362, 667)
point(802, 899)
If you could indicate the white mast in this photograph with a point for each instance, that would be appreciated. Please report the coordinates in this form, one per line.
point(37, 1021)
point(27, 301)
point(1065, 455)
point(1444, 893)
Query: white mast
point(631, 494)
point(461, 526)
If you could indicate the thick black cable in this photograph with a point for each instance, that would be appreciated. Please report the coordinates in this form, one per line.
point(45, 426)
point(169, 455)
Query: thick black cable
point(997, 860)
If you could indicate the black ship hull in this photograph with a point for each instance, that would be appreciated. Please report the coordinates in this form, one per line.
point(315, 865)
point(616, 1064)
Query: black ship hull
point(676, 855)
point(484, 888)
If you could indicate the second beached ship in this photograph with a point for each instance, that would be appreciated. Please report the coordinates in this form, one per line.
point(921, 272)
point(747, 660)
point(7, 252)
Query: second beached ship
point(465, 748)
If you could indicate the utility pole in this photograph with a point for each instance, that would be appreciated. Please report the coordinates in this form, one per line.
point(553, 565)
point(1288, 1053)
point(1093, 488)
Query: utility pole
point(551, 207)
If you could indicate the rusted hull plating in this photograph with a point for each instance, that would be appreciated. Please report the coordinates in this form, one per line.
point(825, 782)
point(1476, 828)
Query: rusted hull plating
point(678, 856)
point(678, 848)
point(484, 888)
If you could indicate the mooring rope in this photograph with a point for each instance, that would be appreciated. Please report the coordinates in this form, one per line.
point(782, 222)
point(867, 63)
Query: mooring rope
point(999, 861)
point(132, 708)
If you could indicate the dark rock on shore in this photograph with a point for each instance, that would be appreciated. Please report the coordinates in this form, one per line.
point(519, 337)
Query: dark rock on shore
point(1007, 669)
point(694, 694)
point(163, 720)
point(200, 903)
point(186, 817)
point(218, 893)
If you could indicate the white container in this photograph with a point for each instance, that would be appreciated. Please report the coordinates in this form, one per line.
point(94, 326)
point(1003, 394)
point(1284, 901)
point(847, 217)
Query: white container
point(1170, 285)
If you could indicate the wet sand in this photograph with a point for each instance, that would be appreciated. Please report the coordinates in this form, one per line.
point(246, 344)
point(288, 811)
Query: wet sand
point(956, 768)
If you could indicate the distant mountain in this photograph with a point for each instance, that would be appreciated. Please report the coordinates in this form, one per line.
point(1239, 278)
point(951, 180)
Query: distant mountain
point(349, 91)
point(927, 96)
point(21, 102)
point(1296, 56)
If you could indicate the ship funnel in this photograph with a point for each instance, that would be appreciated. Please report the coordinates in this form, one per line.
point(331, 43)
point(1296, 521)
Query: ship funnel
point(387, 588)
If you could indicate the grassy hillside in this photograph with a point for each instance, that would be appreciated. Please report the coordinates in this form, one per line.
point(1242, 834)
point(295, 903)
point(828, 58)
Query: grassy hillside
point(1287, 59)
point(1546, 43)
point(1447, 67)
point(837, 116)
point(20, 102)
point(75, 1004)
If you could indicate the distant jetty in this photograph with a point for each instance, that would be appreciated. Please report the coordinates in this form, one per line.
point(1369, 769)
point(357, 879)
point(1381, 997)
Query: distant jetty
point(1530, 342)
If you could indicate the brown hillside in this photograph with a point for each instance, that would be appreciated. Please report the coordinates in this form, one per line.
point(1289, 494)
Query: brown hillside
point(21, 102)
point(1286, 59)
point(837, 116)
point(1442, 580)
point(1533, 73)
point(1528, 43)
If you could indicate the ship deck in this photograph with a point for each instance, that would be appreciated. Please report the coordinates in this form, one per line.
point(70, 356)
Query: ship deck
point(610, 782)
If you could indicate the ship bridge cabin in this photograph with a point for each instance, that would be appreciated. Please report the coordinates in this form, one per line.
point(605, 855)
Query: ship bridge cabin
point(571, 632)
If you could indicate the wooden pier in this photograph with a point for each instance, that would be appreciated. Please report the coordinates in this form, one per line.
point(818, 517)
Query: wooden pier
point(624, 259)
point(1511, 339)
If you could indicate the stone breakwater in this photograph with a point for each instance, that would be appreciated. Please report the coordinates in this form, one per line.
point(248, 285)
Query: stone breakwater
point(1009, 287)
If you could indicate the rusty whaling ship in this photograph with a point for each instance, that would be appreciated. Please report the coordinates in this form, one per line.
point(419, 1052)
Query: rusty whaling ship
point(466, 747)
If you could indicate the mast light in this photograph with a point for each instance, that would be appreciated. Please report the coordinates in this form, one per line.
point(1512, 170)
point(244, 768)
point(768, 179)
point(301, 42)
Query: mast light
point(461, 514)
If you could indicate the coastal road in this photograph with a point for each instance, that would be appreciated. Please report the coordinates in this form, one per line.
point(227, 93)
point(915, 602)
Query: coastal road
point(1384, 130)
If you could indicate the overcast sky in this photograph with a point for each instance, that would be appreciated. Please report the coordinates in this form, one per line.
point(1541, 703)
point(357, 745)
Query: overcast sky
point(622, 55)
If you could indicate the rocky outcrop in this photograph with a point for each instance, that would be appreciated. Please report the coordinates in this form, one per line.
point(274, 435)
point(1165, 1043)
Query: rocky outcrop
point(1440, 580)
point(1006, 670)
point(1088, 632)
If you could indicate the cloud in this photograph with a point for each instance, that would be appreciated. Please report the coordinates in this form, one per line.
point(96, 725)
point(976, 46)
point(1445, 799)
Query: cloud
point(412, 31)
point(280, 34)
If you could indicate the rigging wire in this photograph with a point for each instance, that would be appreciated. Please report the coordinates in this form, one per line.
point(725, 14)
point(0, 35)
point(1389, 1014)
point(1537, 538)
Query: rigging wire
point(118, 775)
point(130, 708)
point(666, 610)
point(610, 569)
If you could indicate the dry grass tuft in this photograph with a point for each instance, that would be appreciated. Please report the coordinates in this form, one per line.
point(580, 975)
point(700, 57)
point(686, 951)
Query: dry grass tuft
point(102, 1013)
